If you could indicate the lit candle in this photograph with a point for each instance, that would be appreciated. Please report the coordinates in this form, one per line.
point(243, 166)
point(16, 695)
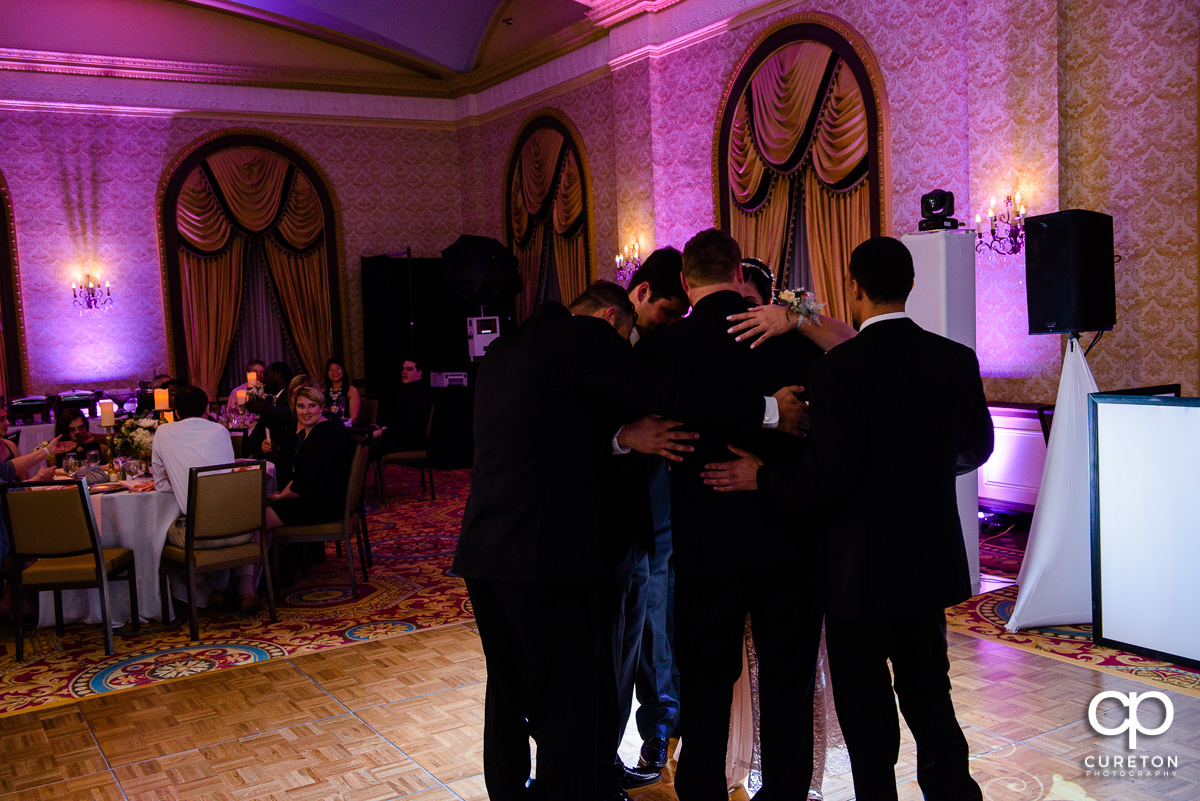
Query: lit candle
point(107, 413)
point(169, 417)
point(251, 377)
point(241, 397)
point(161, 400)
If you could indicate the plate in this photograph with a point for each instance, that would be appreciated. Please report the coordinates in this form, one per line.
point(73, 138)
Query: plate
point(110, 486)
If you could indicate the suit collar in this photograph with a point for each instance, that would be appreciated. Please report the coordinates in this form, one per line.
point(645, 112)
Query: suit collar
point(881, 318)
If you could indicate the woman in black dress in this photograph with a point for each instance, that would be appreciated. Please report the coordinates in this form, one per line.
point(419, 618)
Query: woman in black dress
point(320, 468)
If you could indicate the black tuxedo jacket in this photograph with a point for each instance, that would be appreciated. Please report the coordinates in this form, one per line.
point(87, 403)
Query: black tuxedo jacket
point(896, 414)
point(717, 532)
point(548, 399)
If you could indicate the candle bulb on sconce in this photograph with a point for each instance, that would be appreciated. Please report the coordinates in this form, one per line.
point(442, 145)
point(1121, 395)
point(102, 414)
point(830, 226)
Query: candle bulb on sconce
point(87, 294)
point(1007, 234)
point(628, 263)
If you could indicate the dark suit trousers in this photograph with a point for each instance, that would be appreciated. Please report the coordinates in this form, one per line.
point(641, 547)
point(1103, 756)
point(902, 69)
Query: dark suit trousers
point(551, 676)
point(866, 708)
point(710, 619)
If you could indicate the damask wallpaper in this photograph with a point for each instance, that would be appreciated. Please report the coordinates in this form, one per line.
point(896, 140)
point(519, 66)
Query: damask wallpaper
point(84, 189)
point(1074, 103)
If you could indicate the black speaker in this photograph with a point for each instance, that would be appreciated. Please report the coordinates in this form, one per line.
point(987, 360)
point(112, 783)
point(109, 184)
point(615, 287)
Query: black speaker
point(1070, 277)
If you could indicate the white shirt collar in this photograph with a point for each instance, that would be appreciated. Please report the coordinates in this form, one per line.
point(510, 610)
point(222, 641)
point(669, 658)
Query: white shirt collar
point(881, 317)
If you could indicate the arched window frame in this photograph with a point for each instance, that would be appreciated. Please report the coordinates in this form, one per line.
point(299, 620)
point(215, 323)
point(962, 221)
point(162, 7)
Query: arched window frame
point(848, 44)
point(12, 313)
point(539, 120)
point(168, 235)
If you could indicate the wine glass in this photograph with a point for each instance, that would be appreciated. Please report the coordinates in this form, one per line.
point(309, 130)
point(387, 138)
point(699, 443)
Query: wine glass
point(93, 458)
point(71, 464)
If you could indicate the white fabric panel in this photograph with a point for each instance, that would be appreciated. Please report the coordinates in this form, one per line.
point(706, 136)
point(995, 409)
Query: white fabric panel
point(1056, 576)
point(943, 301)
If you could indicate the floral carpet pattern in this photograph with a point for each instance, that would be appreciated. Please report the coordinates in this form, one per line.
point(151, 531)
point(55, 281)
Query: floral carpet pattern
point(986, 615)
point(412, 540)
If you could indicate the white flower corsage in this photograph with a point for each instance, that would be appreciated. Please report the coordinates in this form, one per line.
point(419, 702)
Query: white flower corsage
point(801, 302)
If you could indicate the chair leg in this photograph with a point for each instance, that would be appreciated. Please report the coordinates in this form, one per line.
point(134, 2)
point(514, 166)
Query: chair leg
point(270, 588)
point(365, 540)
point(432, 491)
point(164, 589)
point(135, 611)
point(194, 625)
point(350, 564)
point(14, 587)
point(58, 614)
point(379, 477)
point(106, 618)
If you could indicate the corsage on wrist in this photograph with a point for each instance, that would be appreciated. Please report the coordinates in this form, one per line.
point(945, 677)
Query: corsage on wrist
point(802, 303)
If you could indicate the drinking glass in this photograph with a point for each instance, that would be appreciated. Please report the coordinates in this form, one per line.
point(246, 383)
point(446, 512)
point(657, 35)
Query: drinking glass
point(71, 464)
point(93, 458)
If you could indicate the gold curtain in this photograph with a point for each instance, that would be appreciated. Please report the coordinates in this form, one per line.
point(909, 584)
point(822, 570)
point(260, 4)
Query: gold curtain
point(837, 222)
point(251, 181)
point(303, 288)
point(199, 217)
point(764, 233)
point(529, 259)
point(570, 254)
point(303, 221)
point(212, 296)
point(539, 160)
point(518, 216)
point(746, 167)
point(841, 139)
point(783, 92)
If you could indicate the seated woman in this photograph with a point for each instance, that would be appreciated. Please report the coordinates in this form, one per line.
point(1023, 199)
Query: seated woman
point(341, 397)
point(320, 467)
point(72, 427)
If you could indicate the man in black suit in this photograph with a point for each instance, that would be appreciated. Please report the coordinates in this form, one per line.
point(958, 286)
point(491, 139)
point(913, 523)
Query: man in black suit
point(535, 548)
point(896, 414)
point(736, 554)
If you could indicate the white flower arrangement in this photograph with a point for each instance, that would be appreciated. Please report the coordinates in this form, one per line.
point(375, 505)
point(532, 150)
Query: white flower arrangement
point(134, 437)
point(801, 302)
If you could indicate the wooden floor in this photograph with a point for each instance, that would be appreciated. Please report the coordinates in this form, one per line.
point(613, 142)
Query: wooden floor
point(403, 718)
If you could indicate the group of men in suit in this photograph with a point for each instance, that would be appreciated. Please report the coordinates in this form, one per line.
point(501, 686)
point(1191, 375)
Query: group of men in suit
point(895, 413)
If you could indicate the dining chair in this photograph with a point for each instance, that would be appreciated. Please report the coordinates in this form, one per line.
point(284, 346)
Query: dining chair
point(415, 458)
point(368, 412)
point(224, 501)
point(352, 526)
point(53, 522)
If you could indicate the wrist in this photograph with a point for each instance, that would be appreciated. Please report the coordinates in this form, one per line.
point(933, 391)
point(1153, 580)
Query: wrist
point(48, 453)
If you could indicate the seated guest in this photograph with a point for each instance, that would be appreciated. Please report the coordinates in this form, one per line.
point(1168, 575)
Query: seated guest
point(316, 492)
point(72, 427)
point(274, 437)
point(14, 467)
point(341, 396)
point(256, 366)
point(404, 413)
point(194, 441)
point(159, 381)
point(275, 380)
point(8, 448)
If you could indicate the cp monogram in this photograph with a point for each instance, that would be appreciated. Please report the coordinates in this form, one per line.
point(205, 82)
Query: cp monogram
point(1130, 701)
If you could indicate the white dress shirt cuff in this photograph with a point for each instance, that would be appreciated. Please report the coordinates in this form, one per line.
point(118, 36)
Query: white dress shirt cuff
point(770, 413)
point(617, 450)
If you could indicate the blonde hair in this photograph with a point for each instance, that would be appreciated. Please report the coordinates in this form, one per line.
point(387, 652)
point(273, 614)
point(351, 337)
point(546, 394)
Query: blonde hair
point(311, 393)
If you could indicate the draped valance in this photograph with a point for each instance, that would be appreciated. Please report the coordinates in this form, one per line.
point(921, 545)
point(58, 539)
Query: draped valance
point(802, 106)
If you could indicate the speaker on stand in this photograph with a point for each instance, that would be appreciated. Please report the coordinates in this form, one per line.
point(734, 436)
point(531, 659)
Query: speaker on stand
point(1070, 275)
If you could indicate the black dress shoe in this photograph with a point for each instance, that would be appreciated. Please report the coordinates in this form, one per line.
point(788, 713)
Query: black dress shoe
point(639, 777)
point(654, 753)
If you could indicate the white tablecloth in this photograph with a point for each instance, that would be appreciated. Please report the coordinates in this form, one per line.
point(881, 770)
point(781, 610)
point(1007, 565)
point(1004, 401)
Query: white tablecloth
point(35, 434)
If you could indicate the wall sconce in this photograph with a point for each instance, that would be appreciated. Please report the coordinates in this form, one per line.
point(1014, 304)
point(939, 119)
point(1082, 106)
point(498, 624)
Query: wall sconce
point(628, 263)
point(1007, 234)
point(87, 293)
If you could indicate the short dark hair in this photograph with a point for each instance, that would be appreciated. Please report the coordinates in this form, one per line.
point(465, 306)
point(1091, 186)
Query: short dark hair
point(710, 257)
point(883, 267)
point(756, 272)
point(417, 363)
point(661, 270)
point(190, 401)
point(603, 295)
point(64, 418)
point(346, 380)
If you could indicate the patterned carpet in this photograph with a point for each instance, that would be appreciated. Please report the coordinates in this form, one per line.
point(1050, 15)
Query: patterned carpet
point(412, 540)
point(985, 616)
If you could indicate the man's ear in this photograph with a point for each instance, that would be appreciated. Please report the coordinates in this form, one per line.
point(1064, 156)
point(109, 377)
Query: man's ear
point(856, 290)
point(610, 315)
point(683, 280)
point(642, 292)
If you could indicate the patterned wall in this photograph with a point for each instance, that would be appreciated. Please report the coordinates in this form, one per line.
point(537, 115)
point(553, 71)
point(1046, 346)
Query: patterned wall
point(1129, 122)
point(84, 187)
point(1076, 103)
